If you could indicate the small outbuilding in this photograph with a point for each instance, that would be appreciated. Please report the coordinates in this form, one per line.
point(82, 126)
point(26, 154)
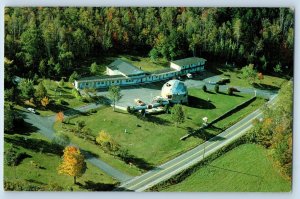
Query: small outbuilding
point(175, 91)
point(121, 67)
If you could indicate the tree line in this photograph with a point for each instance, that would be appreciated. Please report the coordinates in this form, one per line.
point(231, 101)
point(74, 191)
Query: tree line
point(275, 130)
point(51, 42)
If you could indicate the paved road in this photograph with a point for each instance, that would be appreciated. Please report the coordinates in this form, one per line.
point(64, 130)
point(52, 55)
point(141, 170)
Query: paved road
point(191, 157)
point(44, 125)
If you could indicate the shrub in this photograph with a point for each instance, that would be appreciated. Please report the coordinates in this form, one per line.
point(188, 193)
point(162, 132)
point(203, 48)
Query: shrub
point(167, 108)
point(10, 157)
point(61, 139)
point(217, 87)
point(93, 111)
point(52, 187)
point(107, 142)
point(223, 81)
point(177, 114)
point(230, 91)
point(129, 110)
point(62, 82)
point(204, 88)
point(20, 186)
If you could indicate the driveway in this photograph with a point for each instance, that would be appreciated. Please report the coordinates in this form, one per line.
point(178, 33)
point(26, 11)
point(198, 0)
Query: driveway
point(44, 125)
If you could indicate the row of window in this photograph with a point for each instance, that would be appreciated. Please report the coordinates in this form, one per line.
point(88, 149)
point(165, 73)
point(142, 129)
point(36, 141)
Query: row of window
point(102, 83)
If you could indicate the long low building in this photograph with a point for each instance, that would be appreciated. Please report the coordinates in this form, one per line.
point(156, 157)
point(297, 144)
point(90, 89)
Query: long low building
point(123, 73)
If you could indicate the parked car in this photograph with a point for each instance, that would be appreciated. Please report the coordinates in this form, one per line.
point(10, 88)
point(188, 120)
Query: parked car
point(139, 102)
point(189, 76)
point(212, 83)
point(223, 81)
point(31, 110)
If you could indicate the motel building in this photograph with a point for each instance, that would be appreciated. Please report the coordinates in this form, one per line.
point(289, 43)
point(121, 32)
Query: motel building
point(123, 73)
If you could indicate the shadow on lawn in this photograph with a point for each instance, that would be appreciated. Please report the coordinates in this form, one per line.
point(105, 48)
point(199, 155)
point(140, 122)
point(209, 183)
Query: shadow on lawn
point(89, 154)
point(97, 186)
point(36, 145)
point(265, 86)
point(196, 102)
point(23, 129)
point(230, 170)
point(205, 135)
point(152, 118)
point(233, 94)
point(133, 160)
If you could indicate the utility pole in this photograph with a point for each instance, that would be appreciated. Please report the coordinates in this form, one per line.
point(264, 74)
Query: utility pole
point(204, 147)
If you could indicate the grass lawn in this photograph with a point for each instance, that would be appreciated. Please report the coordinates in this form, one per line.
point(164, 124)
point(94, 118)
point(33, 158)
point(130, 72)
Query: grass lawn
point(143, 62)
point(146, 64)
point(236, 78)
point(62, 94)
point(48, 162)
point(246, 168)
point(155, 141)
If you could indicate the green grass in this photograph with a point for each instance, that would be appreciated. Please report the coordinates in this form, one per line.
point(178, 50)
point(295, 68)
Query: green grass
point(62, 93)
point(146, 64)
point(47, 173)
point(143, 62)
point(246, 168)
point(236, 78)
point(158, 140)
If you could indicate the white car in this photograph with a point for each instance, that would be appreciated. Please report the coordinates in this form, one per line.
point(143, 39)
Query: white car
point(31, 110)
point(189, 75)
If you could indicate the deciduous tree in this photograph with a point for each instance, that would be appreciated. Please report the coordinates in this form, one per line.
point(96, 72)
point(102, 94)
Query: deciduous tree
point(106, 141)
point(45, 101)
point(73, 163)
point(177, 114)
point(73, 77)
point(60, 117)
point(94, 68)
point(8, 119)
point(40, 91)
point(114, 94)
point(249, 73)
point(26, 88)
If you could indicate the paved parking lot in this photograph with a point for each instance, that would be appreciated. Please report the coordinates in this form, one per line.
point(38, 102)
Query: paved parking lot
point(147, 92)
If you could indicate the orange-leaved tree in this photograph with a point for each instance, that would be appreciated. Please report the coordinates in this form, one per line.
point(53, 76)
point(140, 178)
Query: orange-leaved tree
point(73, 163)
point(260, 76)
point(60, 116)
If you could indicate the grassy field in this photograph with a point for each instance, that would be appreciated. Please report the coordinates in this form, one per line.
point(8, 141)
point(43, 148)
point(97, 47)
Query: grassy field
point(40, 152)
point(246, 168)
point(156, 140)
point(61, 94)
point(236, 78)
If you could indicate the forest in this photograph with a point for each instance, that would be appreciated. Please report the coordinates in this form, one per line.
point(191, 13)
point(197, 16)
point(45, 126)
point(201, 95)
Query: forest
point(51, 42)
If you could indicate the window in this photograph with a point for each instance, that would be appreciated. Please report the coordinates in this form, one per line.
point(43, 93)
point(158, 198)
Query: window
point(112, 82)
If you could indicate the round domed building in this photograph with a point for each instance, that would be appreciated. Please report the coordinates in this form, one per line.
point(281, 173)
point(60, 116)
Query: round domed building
point(175, 91)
